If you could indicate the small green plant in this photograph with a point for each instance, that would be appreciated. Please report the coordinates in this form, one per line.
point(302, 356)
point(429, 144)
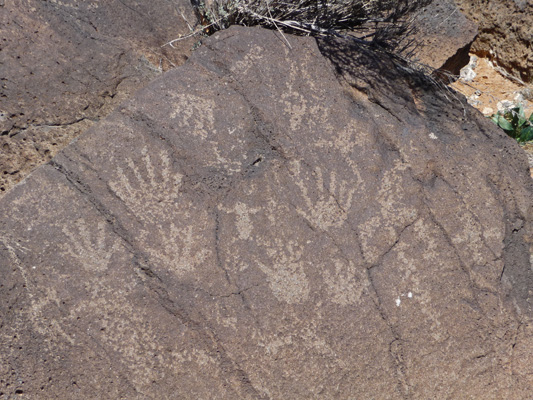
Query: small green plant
point(515, 123)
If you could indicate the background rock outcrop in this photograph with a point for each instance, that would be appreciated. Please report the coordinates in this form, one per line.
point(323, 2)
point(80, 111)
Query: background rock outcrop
point(443, 36)
point(64, 65)
point(266, 222)
point(505, 34)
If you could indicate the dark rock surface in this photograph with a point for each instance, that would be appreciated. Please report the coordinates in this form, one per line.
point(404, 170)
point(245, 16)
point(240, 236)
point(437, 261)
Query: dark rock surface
point(66, 64)
point(444, 35)
point(268, 223)
point(505, 33)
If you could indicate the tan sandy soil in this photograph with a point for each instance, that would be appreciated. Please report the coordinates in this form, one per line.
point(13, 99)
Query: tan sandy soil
point(491, 86)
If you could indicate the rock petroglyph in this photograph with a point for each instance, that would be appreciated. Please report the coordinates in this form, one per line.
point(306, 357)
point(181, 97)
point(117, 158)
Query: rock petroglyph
point(148, 187)
point(90, 244)
point(272, 223)
point(285, 271)
point(327, 203)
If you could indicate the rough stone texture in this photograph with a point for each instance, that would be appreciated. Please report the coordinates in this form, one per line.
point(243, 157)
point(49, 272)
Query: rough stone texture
point(444, 35)
point(66, 64)
point(505, 33)
point(267, 223)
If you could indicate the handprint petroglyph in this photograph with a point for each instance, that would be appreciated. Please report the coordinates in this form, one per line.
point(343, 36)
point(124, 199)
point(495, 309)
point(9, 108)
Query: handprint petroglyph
point(172, 233)
point(149, 190)
point(346, 283)
point(285, 272)
point(326, 206)
point(91, 247)
point(180, 249)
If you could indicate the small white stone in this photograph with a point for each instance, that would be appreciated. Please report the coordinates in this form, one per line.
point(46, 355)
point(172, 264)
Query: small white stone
point(433, 136)
point(467, 74)
point(504, 106)
point(398, 301)
point(487, 111)
point(410, 295)
point(518, 98)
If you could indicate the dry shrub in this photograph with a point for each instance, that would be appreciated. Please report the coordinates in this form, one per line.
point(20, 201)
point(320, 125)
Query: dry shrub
point(383, 22)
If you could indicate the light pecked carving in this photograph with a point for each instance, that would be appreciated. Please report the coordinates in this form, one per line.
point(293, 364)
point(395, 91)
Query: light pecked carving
point(89, 245)
point(149, 190)
point(325, 206)
point(180, 249)
point(345, 283)
point(285, 271)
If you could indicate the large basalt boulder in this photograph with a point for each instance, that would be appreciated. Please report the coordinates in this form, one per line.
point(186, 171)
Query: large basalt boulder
point(443, 36)
point(64, 65)
point(505, 33)
point(268, 222)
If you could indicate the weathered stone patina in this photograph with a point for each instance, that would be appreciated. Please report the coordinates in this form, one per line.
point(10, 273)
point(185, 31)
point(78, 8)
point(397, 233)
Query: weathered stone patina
point(66, 64)
point(274, 223)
